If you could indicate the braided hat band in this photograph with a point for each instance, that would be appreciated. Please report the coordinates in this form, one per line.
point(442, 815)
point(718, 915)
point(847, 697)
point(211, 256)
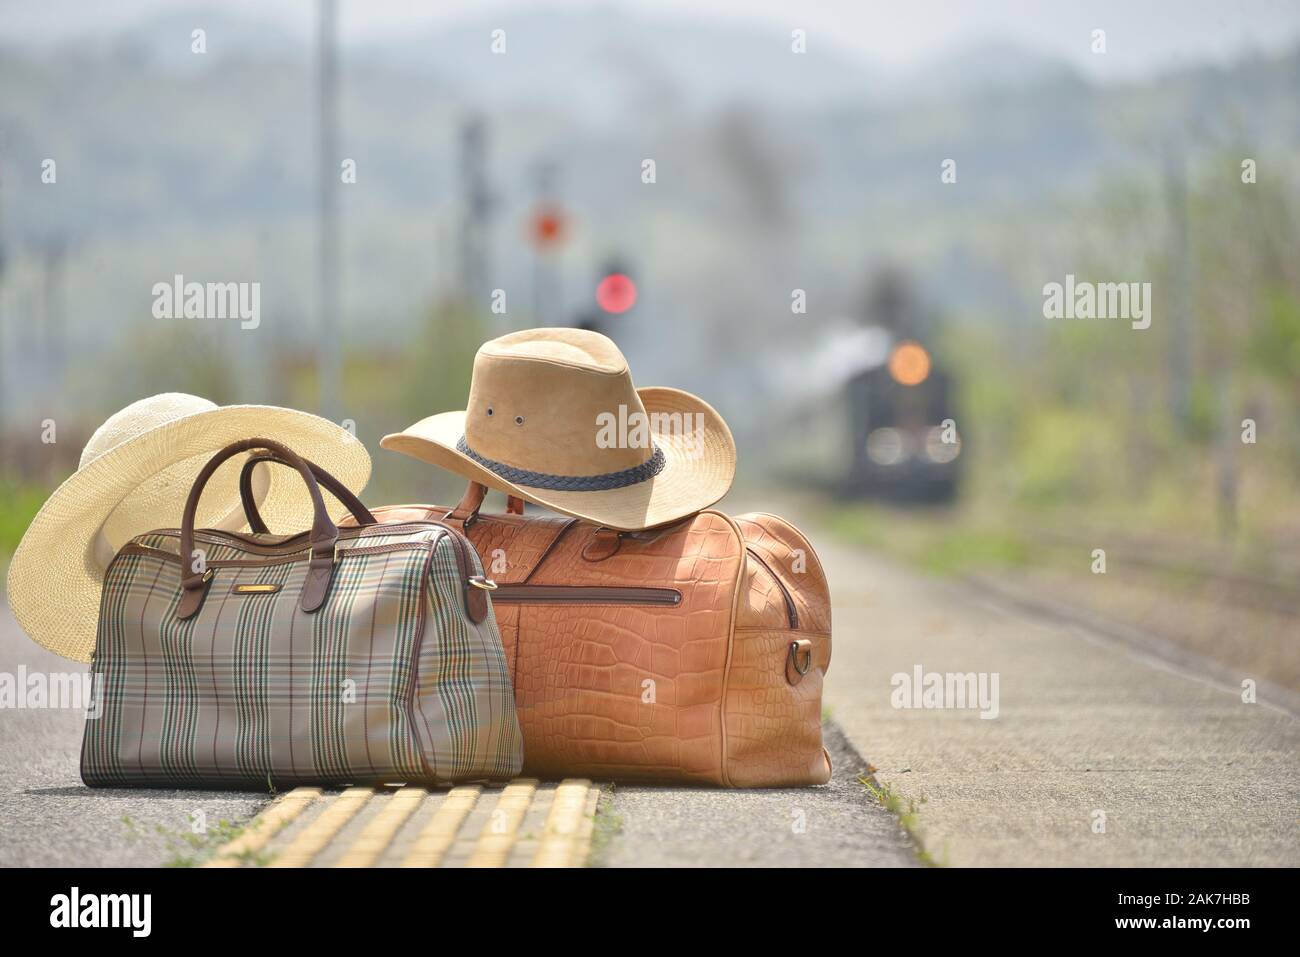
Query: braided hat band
point(569, 483)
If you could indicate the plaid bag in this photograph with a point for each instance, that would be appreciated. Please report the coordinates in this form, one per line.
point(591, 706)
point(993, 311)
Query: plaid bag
point(359, 655)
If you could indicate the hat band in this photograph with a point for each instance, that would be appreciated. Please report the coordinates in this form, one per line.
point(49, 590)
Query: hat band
point(569, 483)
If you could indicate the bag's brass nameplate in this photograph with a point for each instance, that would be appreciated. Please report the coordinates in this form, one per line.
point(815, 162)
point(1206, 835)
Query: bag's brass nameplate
point(255, 589)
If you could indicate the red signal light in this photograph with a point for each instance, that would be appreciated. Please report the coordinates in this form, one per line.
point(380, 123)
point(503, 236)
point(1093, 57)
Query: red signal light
point(616, 293)
point(547, 227)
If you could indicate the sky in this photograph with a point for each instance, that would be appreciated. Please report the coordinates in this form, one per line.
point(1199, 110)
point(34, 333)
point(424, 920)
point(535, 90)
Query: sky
point(1143, 37)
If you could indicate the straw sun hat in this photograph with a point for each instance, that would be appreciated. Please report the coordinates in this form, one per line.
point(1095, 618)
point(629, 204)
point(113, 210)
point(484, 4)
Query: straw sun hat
point(553, 418)
point(135, 474)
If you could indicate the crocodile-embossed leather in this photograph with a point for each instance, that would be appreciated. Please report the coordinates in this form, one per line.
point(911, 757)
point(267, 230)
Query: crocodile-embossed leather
point(695, 691)
point(774, 727)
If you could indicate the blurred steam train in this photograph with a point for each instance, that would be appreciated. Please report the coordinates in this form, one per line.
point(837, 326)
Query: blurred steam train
point(904, 439)
point(874, 409)
point(901, 411)
point(902, 415)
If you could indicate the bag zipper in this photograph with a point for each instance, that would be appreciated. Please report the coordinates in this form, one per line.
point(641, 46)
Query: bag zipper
point(291, 551)
point(133, 548)
point(288, 551)
point(791, 612)
point(586, 595)
point(296, 542)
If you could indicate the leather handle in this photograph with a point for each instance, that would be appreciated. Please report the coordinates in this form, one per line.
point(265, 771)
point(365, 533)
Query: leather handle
point(323, 537)
point(466, 510)
point(323, 479)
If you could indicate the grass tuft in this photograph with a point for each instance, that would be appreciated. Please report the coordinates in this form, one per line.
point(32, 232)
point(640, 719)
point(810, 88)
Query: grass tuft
point(907, 811)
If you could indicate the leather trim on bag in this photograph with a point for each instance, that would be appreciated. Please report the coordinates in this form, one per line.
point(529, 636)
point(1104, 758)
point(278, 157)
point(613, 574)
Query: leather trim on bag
point(448, 519)
point(290, 542)
point(564, 530)
point(134, 548)
point(725, 772)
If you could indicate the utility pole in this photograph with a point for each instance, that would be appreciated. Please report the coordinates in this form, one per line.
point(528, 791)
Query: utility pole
point(1180, 314)
point(52, 330)
point(330, 342)
point(4, 403)
point(546, 279)
point(476, 210)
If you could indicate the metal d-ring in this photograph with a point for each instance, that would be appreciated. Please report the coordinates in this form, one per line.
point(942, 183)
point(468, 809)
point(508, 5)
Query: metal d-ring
point(794, 658)
point(486, 584)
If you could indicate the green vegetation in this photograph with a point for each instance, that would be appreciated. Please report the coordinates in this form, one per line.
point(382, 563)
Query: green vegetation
point(19, 503)
point(941, 543)
point(606, 825)
point(907, 812)
point(1184, 433)
point(190, 849)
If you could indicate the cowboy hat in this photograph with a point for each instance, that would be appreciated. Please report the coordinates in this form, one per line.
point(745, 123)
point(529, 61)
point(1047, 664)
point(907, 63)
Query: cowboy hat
point(135, 474)
point(554, 419)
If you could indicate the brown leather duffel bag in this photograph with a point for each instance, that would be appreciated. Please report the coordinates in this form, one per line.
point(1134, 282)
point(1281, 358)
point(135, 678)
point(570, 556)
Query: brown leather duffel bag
point(693, 652)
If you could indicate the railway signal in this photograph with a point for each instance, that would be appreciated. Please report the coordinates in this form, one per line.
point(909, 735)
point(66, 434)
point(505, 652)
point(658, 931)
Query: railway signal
point(616, 292)
point(548, 227)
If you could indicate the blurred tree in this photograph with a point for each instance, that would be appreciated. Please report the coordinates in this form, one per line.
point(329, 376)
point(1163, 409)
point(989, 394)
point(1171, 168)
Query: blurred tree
point(193, 359)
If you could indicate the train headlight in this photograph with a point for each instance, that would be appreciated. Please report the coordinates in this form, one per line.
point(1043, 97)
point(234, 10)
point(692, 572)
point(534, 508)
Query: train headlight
point(885, 447)
point(937, 450)
point(909, 363)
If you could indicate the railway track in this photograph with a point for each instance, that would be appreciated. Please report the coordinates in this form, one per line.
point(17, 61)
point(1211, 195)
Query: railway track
point(1275, 591)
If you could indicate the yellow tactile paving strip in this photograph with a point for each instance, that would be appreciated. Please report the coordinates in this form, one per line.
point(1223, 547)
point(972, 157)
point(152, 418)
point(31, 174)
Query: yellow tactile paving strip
point(338, 811)
point(502, 826)
point(378, 834)
point(522, 824)
point(439, 834)
point(568, 827)
point(264, 827)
